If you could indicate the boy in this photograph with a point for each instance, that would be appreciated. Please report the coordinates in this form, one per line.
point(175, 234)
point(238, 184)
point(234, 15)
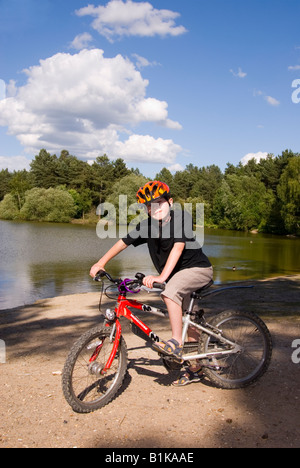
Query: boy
point(177, 257)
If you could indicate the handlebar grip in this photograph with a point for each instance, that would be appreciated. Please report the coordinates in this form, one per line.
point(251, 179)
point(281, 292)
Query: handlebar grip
point(101, 274)
point(159, 286)
point(98, 277)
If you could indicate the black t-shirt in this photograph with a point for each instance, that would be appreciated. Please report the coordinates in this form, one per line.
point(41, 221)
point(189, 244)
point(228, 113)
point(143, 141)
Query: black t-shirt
point(161, 238)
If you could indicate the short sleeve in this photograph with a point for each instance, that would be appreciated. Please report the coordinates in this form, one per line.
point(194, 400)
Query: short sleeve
point(137, 236)
point(183, 227)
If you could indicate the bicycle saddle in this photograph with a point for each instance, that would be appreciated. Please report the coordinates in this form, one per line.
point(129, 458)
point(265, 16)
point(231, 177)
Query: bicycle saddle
point(207, 286)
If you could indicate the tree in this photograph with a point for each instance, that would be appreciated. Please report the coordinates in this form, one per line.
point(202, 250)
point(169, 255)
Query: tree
point(207, 183)
point(52, 205)
point(5, 177)
point(19, 183)
point(127, 186)
point(165, 176)
point(241, 203)
point(72, 172)
point(120, 169)
point(82, 200)
point(9, 208)
point(222, 207)
point(102, 178)
point(289, 195)
point(45, 170)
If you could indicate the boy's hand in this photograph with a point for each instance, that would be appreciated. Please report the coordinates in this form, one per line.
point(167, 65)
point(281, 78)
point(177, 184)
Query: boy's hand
point(95, 268)
point(149, 280)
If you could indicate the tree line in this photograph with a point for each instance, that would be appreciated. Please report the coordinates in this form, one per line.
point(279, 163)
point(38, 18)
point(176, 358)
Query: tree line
point(262, 195)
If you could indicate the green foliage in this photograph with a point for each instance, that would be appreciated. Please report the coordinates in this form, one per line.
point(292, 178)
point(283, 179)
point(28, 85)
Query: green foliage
point(19, 183)
point(82, 201)
point(241, 203)
point(127, 186)
point(289, 195)
point(52, 205)
point(9, 208)
point(5, 177)
point(263, 195)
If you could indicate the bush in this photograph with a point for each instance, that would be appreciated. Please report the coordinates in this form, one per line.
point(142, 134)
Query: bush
point(52, 205)
point(9, 208)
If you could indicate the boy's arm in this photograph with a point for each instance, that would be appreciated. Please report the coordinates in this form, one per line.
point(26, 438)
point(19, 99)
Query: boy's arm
point(113, 252)
point(172, 261)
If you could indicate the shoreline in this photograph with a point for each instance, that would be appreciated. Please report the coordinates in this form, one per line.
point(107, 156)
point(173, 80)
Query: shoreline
point(293, 277)
point(93, 223)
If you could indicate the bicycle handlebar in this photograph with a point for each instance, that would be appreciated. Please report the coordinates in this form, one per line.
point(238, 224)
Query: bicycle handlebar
point(138, 281)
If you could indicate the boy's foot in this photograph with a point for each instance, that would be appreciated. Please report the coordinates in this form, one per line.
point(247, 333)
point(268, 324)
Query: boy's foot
point(169, 348)
point(188, 377)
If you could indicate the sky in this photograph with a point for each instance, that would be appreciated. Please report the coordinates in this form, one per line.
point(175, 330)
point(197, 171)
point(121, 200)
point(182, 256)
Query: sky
point(159, 83)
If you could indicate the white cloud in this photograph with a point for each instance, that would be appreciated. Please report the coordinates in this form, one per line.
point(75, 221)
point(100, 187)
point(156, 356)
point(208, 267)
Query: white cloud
point(294, 68)
point(2, 90)
point(154, 150)
point(269, 99)
point(81, 41)
point(272, 101)
point(11, 89)
point(256, 156)
point(239, 74)
point(142, 62)
point(14, 163)
point(175, 167)
point(83, 103)
point(120, 18)
point(257, 92)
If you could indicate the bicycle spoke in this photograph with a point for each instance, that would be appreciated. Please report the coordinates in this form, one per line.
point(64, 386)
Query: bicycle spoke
point(237, 368)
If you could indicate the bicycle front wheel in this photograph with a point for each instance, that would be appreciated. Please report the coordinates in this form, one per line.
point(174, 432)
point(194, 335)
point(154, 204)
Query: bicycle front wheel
point(240, 369)
point(84, 386)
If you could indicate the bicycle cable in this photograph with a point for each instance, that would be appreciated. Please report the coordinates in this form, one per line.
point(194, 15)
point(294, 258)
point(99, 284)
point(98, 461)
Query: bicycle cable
point(101, 294)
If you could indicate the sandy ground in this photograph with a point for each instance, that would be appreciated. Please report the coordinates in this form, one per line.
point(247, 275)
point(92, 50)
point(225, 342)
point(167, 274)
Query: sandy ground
point(149, 412)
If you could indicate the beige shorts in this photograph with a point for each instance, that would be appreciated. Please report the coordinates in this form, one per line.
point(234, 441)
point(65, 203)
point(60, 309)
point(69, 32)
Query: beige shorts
point(183, 283)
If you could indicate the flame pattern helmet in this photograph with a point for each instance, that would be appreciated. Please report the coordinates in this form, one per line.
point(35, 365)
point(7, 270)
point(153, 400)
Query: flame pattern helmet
point(153, 191)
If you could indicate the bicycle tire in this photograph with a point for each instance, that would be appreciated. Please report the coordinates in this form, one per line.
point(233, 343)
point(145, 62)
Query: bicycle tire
point(242, 369)
point(84, 388)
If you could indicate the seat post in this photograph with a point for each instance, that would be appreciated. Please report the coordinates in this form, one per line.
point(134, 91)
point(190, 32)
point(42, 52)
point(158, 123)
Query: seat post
point(187, 318)
point(192, 302)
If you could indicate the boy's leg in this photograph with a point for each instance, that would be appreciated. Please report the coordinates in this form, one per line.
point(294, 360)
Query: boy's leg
point(175, 315)
point(177, 291)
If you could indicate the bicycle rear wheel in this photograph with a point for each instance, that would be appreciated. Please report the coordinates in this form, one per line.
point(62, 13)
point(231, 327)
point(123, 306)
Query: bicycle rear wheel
point(240, 369)
point(84, 387)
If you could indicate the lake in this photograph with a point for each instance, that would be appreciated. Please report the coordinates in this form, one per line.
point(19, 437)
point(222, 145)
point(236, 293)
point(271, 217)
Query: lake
point(41, 260)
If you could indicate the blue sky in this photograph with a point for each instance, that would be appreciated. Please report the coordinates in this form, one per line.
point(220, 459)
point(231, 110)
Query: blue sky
point(162, 83)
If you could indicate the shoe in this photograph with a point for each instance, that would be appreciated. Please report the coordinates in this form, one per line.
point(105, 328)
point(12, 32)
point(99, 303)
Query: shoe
point(169, 348)
point(189, 377)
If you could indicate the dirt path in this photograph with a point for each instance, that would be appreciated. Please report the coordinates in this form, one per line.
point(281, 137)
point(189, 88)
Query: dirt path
point(149, 412)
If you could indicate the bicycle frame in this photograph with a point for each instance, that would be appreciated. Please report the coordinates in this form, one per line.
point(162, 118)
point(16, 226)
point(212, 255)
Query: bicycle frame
point(122, 310)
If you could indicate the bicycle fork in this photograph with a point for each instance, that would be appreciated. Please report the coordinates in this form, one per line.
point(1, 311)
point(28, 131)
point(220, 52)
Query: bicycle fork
point(117, 331)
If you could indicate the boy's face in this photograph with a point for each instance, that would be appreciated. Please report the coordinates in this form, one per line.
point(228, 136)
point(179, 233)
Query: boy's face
point(160, 209)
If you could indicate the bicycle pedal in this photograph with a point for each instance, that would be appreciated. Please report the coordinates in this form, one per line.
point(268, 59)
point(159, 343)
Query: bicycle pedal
point(171, 358)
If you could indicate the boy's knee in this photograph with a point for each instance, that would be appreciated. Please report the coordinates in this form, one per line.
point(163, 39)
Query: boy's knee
point(167, 300)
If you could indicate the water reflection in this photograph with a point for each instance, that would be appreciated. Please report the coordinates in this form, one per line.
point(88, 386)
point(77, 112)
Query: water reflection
point(241, 256)
point(40, 260)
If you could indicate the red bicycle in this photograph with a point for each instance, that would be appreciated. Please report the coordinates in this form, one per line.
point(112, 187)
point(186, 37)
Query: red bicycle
point(234, 348)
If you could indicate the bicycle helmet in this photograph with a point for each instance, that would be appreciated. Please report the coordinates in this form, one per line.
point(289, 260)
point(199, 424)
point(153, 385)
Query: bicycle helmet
point(153, 191)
